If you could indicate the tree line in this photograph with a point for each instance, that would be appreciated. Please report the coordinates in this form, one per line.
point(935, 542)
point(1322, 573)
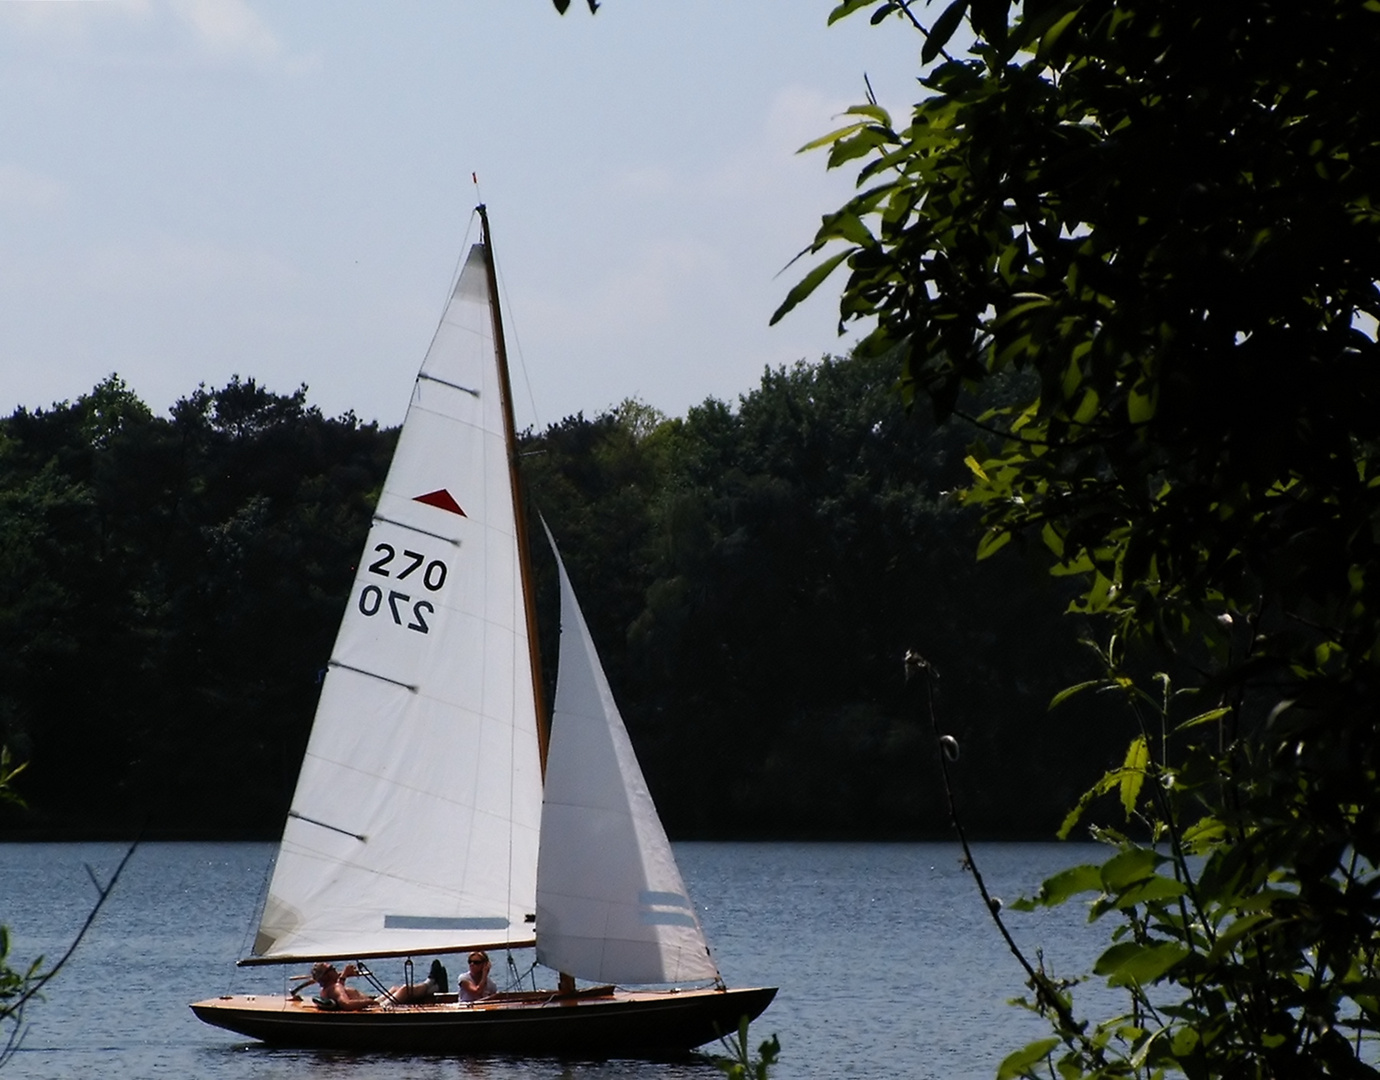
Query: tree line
point(753, 574)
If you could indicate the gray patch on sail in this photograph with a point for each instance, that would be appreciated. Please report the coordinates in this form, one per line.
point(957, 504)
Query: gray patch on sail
point(663, 899)
point(666, 918)
point(473, 283)
point(279, 920)
point(442, 922)
point(651, 899)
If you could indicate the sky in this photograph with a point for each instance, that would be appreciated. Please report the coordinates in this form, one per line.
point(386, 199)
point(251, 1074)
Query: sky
point(282, 189)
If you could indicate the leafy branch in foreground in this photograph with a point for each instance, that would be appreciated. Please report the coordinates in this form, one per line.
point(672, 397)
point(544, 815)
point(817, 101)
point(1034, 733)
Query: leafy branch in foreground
point(1244, 932)
point(20, 987)
point(739, 1063)
point(1162, 219)
point(8, 772)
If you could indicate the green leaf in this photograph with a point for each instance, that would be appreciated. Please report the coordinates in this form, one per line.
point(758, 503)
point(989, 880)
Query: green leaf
point(1050, 39)
point(1203, 718)
point(1148, 891)
point(1087, 408)
point(1128, 867)
point(943, 29)
point(1053, 540)
point(1135, 964)
point(1018, 1064)
point(834, 136)
point(993, 541)
point(1070, 882)
point(1012, 255)
point(1184, 1042)
point(1069, 1069)
point(867, 138)
point(1204, 832)
point(1068, 691)
point(882, 12)
point(1028, 302)
point(989, 19)
point(1073, 817)
point(1239, 928)
point(809, 283)
point(876, 112)
point(1141, 404)
point(1133, 773)
point(847, 8)
point(844, 226)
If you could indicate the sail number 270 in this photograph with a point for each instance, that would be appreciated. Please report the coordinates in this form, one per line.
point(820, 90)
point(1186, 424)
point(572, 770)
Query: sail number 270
point(401, 605)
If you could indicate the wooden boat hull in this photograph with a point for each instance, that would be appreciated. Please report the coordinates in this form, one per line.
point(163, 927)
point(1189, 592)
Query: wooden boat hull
point(604, 1025)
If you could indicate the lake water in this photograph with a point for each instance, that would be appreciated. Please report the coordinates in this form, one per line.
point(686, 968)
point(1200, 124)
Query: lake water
point(888, 963)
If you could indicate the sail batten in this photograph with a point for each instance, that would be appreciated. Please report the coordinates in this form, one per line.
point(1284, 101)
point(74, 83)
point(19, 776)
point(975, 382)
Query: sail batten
point(451, 540)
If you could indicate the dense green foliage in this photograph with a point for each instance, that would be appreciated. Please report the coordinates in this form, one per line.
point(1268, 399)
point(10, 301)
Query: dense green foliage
point(1164, 216)
point(756, 575)
point(169, 591)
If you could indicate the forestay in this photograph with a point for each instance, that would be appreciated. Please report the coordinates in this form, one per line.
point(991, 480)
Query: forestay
point(414, 825)
point(611, 905)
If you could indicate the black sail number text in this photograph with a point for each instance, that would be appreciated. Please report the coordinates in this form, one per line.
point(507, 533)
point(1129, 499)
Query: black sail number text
point(400, 606)
point(433, 577)
point(405, 611)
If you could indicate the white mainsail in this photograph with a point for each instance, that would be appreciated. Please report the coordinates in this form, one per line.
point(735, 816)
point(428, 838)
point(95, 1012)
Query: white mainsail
point(611, 905)
point(414, 824)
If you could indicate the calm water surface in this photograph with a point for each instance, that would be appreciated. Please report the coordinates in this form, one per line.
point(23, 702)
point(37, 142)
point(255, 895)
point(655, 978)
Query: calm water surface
point(887, 962)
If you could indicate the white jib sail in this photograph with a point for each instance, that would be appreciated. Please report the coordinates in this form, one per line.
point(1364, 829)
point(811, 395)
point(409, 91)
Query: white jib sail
point(611, 905)
point(414, 824)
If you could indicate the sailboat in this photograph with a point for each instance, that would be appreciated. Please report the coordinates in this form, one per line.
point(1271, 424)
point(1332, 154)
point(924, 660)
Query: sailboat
point(432, 813)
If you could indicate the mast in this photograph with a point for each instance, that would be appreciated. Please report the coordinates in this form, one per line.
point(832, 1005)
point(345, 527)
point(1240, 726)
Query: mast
point(566, 983)
point(519, 510)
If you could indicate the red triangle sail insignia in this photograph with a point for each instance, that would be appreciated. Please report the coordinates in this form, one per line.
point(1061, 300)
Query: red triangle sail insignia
point(442, 499)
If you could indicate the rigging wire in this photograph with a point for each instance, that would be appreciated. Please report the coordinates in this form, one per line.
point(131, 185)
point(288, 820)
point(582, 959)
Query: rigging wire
point(461, 256)
point(253, 927)
point(512, 328)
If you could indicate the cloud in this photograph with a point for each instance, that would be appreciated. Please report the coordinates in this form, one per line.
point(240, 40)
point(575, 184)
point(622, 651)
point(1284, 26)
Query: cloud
point(229, 29)
point(762, 164)
point(625, 297)
point(70, 24)
point(154, 34)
